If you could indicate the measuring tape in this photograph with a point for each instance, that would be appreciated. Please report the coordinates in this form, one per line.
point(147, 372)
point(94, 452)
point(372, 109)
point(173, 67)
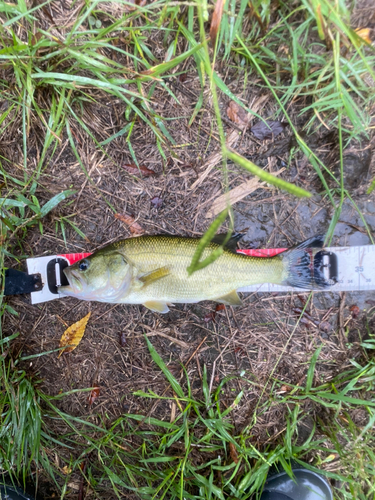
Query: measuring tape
point(344, 269)
point(347, 268)
point(50, 269)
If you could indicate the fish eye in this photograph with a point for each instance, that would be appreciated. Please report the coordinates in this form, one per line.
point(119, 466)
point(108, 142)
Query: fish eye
point(83, 265)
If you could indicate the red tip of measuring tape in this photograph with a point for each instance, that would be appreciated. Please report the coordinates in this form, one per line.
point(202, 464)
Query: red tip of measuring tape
point(74, 257)
point(262, 252)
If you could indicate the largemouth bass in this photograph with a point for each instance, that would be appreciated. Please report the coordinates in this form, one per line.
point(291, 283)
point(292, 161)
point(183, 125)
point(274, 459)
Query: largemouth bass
point(152, 270)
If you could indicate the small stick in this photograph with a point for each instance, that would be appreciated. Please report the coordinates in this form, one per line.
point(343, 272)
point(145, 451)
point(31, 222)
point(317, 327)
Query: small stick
point(341, 320)
point(194, 353)
point(212, 375)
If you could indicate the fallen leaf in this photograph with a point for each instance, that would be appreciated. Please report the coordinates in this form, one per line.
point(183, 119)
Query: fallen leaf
point(331, 457)
point(122, 339)
point(233, 196)
point(74, 485)
point(325, 326)
point(73, 335)
point(306, 318)
point(4, 354)
point(211, 315)
point(173, 412)
point(35, 38)
point(156, 202)
point(355, 310)
point(134, 227)
point(133, 169)
point(94, 394)
point(236, 194)
point(285, 388)
point(364, 33)
point(233, 452)
point(237, 114)
point(216, 20)
point(278, 148)
point(267, 130)
point(216, 157)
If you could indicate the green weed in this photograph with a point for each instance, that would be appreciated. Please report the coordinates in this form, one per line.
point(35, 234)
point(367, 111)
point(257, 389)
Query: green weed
point(200, 455)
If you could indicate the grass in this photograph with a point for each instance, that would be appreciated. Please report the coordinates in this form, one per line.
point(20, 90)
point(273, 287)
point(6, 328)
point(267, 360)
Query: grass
point(50, 75)
point(198, 454)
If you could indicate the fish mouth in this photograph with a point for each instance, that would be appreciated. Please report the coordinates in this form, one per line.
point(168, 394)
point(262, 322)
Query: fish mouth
point(75, 285)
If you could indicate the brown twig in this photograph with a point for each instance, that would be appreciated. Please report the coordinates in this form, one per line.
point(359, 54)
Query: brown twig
point(341, 320)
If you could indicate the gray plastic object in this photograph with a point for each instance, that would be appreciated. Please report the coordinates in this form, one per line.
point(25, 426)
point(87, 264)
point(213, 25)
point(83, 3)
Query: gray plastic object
point(11, 493)
point(307, 485)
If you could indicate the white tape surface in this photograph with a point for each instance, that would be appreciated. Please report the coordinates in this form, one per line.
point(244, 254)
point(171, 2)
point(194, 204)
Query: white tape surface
point(356, 271)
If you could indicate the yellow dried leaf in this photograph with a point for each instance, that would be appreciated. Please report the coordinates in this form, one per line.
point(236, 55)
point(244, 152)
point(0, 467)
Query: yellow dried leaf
point(364, 33)
point(73, 335)
point(331, 457)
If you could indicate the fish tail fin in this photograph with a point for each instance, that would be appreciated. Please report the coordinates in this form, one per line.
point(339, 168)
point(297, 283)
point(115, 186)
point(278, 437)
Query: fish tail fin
point(299, 269)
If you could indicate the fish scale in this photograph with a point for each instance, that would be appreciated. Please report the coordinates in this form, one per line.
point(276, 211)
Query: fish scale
point(226, 274)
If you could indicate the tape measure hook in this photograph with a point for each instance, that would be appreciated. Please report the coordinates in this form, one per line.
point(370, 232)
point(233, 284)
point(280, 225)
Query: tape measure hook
point(326, 266)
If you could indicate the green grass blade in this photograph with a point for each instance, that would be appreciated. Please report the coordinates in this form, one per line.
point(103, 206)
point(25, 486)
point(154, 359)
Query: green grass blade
point(311, 370)
point(163, 367)
point(195, 264)
point(53, 202)
point(265, 176)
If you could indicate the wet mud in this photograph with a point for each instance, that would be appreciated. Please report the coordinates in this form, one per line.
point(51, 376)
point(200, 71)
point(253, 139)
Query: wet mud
point(283, 223)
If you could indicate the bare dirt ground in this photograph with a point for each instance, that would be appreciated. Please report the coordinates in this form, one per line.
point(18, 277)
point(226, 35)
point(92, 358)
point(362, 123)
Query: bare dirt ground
point(259, 338)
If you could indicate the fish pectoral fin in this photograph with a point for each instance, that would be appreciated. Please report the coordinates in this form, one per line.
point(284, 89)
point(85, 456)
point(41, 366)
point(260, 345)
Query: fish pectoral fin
point(154, 275)
point(155, 305)
point(231, 299)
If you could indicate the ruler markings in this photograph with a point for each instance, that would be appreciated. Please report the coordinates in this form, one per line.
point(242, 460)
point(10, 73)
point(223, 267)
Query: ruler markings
point(360, 262)
point(356, 271)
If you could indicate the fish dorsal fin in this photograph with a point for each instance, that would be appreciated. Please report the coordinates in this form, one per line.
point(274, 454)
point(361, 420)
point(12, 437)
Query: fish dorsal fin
point(154, 275)
point(155, 305)
point(231, 299)
point(231, 243)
